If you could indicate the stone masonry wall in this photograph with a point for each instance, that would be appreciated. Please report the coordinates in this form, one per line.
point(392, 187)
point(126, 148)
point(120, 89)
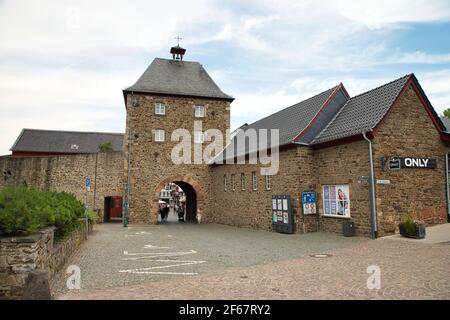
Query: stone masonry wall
point(344, 164)
point(68, 173)
point(253, 208)
point(21, 255)
point(151, 163)
point(408, 131)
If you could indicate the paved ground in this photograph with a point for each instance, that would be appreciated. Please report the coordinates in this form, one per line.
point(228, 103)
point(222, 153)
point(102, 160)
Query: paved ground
point(232, 263)
point(116, 256)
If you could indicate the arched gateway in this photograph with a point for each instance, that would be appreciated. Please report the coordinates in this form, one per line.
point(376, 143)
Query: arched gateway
point(171, 96)
point(195, 196)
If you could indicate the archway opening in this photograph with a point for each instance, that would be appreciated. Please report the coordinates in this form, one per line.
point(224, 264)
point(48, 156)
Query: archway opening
point(177, 203)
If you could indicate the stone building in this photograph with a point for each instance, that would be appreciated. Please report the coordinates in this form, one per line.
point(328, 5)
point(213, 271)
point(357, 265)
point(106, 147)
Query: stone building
point(323, 144)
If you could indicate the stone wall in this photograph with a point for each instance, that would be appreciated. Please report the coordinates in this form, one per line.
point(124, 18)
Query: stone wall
point(408, 131)
point(21, 255)
point(68, 173)
point(151, 162)
point(253, 208)
point(344, 164)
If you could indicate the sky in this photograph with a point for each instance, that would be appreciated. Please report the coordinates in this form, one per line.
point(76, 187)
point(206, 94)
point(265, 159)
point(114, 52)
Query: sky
point(64, 64)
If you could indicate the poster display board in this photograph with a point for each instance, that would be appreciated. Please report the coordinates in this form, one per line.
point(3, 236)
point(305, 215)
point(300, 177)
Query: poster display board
point(336, 201)
point(282, 218)
point(309, 204)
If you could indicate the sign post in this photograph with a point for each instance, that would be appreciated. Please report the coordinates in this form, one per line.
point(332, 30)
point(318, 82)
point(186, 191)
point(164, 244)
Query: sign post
point(88, 188)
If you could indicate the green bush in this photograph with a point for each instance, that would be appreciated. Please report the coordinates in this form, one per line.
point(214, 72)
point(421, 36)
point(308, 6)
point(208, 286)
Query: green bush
point(24, 210)
point(409, 225)
point(106, 147)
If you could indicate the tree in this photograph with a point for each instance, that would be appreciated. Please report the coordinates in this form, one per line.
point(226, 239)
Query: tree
point(106, 147)
point(446, 113)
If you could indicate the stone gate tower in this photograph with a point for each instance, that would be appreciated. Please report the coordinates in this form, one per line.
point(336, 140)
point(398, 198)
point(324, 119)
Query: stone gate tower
point(171, 94)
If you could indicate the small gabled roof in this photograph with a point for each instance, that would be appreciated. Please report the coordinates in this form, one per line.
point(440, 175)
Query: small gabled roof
point(174, 77)
point(51, 141)
point(290, 122)
point(362, 112)
point(446, 123)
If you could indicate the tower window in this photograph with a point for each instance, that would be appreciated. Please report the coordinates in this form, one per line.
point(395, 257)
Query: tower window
point(159, 135)
point(160, 108)
point(198, 137)
point(233, 182)
point(199, 111)
point(224, 182)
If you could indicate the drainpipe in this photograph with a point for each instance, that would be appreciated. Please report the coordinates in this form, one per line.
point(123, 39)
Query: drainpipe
point(373, 208)
point(127, 190)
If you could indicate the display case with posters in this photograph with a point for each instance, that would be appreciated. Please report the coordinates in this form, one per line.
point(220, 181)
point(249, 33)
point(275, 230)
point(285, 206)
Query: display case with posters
point(282, 217)
point(336, 201)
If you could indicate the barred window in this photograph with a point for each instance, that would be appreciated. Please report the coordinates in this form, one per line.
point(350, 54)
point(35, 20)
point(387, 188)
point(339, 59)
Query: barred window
point(254, 181)
point(242, 181)
point(267, 181)
point(233, 182)
point(224, 182)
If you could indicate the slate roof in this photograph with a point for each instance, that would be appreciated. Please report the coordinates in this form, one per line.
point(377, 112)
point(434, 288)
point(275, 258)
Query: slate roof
point(290, 122)
point(362, 112)
point(185, 78)
point(446, 122)
point(33, 140)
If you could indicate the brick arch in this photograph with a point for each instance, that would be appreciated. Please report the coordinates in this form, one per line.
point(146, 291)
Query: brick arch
point(187, 179)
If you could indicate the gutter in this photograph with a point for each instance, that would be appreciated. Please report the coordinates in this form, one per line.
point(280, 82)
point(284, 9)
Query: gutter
point(373, 208)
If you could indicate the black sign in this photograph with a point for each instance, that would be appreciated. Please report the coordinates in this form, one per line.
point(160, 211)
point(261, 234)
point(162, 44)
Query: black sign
point(419, 163)
point(395, 163)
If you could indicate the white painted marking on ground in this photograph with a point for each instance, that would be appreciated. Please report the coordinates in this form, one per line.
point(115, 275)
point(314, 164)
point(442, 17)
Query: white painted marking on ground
point(150, 255)
point(182, 263)
point(167, 273)
point(150, 246)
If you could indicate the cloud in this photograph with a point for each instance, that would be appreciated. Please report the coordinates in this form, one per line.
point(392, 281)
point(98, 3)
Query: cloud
point(64, 63)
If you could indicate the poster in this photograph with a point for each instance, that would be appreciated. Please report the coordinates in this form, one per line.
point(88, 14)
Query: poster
point(280, 204)
point(285, 217)
point(285, 205)
point(309, 202)
point(274, 204)
point(336, 200)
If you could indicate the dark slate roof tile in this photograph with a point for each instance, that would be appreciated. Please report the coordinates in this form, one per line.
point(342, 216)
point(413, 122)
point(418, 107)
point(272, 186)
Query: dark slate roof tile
point(289, 121)
point(362, 112)
point(51, 141)
point(185, 78)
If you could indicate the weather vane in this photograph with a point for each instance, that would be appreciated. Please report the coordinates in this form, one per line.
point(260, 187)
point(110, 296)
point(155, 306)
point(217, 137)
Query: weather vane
point(178, 38)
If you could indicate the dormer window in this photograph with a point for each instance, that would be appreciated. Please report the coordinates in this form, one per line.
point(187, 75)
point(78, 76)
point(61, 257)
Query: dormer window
point(199, 111)
point(160, 108)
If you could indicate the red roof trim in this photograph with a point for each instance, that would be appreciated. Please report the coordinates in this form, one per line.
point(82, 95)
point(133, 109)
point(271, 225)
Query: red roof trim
point(333, 94)
point(345, 140)
point(411, 82)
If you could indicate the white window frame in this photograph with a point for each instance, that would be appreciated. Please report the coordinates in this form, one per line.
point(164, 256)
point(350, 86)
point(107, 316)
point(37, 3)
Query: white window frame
point(224, 182)
point(233, 182)
point(254, 181)
point(199, 134)
point(267, 182)
point(160, 108)
point(197, 112)
point(336, 186)
point(158, 137)
point(243, 182)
